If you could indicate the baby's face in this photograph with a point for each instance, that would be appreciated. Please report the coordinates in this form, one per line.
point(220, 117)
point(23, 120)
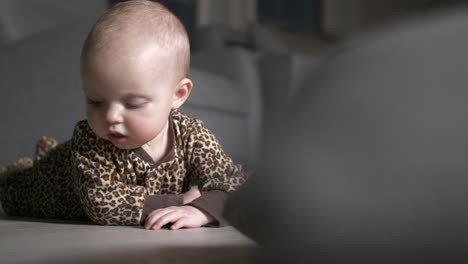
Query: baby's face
point(128, 98)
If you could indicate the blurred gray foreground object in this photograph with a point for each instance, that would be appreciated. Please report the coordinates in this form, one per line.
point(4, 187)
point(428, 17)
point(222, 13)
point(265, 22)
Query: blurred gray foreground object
point(371, 165)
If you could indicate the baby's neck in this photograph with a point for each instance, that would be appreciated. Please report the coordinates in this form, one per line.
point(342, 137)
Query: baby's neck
point(160, 146)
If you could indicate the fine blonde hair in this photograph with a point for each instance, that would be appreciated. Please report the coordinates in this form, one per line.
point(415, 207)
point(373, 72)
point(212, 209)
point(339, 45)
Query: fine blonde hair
point(145, 17)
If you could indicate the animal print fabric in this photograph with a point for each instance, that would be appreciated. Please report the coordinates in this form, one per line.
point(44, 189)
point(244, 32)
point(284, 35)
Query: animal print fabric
point(89, 178)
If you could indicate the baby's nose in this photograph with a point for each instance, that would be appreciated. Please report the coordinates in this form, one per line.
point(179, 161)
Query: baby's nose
point(114, 114)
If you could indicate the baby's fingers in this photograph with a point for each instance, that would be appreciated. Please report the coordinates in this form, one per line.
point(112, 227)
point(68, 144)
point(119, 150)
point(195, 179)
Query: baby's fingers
point(182, 222)
point(155, 216)
point(171, 217)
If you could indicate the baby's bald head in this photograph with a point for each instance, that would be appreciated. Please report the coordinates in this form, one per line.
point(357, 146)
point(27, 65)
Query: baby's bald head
point(140, 24)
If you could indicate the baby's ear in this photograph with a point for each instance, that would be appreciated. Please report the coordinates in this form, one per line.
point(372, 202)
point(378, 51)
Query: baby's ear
point(182, 92)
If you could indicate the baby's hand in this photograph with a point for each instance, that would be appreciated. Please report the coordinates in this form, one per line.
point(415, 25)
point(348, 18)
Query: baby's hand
point(179, 216)
point(191, 195)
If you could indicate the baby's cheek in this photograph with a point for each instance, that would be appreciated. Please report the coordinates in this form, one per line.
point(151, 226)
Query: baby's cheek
point(146, 128)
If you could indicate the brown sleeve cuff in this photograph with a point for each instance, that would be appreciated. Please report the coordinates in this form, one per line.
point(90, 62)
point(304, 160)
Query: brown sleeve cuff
point(212, 203)
point(153, 202)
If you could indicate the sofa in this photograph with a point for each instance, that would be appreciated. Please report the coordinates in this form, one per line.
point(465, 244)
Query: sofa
point(41, 96)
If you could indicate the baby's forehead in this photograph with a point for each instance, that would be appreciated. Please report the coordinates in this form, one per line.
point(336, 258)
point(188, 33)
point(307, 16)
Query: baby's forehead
point(131, 58)
point(138, 55)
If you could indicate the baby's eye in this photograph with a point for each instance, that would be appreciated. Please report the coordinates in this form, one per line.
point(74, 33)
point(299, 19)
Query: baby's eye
point(135, 103)
point(133, 106)
point(95, 102)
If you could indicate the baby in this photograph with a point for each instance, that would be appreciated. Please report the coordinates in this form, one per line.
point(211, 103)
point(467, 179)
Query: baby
point(136, 157)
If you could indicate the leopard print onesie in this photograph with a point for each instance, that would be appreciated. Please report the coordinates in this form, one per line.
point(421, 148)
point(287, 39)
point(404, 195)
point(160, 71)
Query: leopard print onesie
point(89, 178)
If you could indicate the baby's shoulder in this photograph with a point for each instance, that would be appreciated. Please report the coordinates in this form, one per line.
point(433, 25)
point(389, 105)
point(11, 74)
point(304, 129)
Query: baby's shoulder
point(82, 132)
point(193, 130)
point(185, 122)
point(81, 128)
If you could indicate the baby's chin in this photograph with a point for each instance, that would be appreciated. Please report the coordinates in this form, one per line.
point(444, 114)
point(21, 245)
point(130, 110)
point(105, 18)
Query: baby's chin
point(124, 146)
point(123, 143)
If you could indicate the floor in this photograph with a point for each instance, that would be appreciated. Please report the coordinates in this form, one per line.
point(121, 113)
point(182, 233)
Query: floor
point(42, 241)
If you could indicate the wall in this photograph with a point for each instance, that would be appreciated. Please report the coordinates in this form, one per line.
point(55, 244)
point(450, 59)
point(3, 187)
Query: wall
point(20, 18)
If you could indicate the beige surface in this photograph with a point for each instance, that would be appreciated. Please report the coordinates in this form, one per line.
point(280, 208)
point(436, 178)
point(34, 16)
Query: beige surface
point(42, 241)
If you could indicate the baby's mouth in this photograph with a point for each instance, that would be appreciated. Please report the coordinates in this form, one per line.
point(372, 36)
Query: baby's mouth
point(117, 137)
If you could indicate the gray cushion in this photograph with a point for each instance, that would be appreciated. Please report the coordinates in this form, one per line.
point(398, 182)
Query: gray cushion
point(238, 66)
point(263, 40)
point(209, 37)
point(221, 104)
point(216, 37)
point(41, 92)
point(217, 93)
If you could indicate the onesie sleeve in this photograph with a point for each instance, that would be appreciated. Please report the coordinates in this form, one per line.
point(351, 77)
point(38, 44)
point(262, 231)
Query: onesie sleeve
point(106, 184)
point(214, 172)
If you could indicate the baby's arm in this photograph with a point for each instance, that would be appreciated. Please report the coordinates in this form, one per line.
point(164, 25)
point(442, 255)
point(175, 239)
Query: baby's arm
point(180, 216)
point(216, 175)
